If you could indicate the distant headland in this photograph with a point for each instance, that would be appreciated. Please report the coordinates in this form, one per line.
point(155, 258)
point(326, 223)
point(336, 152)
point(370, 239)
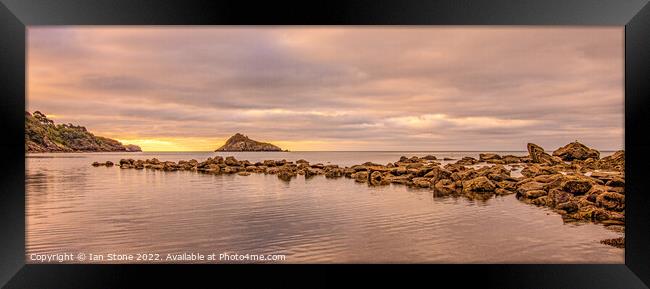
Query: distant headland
point(241, 143)
point(42, 135)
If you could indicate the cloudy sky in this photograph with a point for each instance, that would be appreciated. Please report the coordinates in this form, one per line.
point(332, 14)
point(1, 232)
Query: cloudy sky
point(334, 88)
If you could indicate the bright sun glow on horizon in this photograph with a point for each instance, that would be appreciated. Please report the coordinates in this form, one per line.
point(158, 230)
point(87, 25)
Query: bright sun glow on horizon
point(210, 144)
point(175, 144)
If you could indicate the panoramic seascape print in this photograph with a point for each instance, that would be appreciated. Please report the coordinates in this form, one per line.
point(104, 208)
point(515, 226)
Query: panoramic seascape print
point(325, 145)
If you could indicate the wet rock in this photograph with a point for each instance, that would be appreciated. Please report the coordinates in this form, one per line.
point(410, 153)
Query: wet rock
point(479, 185)
point(502, 191)
point(537, 155)
point(169, 166)
point(568, 206)
point(398, 171)
point(557, 197)
point(108, 164)
point(524, 187)
point(533, 194)
point(540, 201)
point(376, 178)
point(231, 161)
point(576, 185)
point(347, 172)
point(548, 178)
point(488, 156)
point(318, 166)
point(595, 190)
point(510, 159)
point(507, 185)
point(465, 175)
point(421, 182)
point(616, 182)
point(611, 201)
point(445, 186)
point(358, 168)
point(605, 176)
point(437, 173)
point(537, 170)
point(210, 168)
point(361, 177)
point(286, 175)
point(96, 164)
point(334, 173)
point(591, 213)
point(310, 172)
point(429, 158)
point(231, 169)
point(244, 173)
point(614, 162)
point(467, 161)
point(615, 242)
point(401, 179)
point(576, 151)
point(414, 166)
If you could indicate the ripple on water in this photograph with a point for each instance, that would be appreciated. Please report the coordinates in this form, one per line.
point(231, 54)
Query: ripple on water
point(72, 206)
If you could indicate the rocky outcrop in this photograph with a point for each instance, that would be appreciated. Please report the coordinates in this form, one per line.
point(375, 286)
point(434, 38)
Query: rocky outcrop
point(132, 148)
point(576, 151)
point(571, 189)
point(538, 155)
point(241, 143)
point(43, 135)
point(614, 162)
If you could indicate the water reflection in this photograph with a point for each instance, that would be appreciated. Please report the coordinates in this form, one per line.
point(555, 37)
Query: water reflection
point(74, 207)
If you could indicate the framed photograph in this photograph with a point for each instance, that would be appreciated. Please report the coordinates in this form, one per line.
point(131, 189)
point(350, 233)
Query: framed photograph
point(502, 140)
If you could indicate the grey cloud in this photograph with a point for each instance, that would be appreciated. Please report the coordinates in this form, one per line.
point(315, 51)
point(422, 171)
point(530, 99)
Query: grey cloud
point(567, 81)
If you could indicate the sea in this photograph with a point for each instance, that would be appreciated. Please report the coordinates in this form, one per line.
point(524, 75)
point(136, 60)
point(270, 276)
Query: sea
point(106, 214)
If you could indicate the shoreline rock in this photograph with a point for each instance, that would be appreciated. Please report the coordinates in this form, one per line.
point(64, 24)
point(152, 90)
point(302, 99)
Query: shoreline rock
point(571, 189)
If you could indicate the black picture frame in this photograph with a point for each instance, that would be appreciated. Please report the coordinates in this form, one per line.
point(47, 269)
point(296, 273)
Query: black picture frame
point(634, 15)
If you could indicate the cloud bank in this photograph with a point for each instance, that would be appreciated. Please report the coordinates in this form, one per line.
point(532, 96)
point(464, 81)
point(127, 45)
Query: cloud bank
point(334, 88)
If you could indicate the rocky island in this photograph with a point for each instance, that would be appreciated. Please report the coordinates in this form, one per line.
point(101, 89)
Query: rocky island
point(241, 143)
point(43, 135)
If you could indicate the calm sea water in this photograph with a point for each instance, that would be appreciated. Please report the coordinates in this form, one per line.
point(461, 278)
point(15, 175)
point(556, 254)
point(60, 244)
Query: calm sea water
point(73, 207)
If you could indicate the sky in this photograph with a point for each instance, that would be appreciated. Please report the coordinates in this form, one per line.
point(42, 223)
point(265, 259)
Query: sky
point(417, 88)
